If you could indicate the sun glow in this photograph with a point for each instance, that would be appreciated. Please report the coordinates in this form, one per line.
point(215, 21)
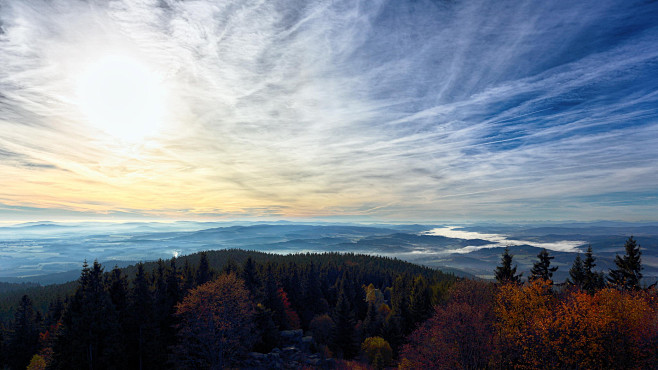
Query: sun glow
point(122, 97)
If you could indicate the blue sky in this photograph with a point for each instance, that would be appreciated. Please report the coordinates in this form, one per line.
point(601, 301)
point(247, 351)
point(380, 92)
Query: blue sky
point(370, 110)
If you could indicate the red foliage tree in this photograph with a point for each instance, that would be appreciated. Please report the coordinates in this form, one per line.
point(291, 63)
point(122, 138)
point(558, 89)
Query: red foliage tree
point(291, 316)
point(458, 335)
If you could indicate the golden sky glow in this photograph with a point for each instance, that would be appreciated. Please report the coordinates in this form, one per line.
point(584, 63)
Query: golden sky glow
point(378, 110)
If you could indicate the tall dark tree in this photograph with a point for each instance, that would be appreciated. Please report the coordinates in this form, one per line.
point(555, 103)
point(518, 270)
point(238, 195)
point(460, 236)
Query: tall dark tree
point(24, 339)
point(54, 314)
point(90, 332)
point(345, 339)
point(542, 269)
point(505, 273)
point(593, 280)
point(628, 273)
point(577, 273)
point(203, 273)
point(373, 323)
point(251, 280)
point(117, 286)
point(272, 298)
point(420, 305)
point(400, 302)
point(188, 276)
point(141, 329)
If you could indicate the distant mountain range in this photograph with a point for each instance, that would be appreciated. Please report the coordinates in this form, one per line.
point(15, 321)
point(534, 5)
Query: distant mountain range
point(48, 252)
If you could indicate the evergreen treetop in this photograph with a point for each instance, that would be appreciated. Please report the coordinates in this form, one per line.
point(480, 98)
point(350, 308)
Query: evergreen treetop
point(628, 273)
point(505, 273)
point(541, 269)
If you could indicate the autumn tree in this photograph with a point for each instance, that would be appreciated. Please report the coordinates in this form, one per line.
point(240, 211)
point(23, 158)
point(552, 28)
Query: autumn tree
point(541, 269)
point(628, 273)
point(216, 324)
point(609, 329)
point(505, 273)
point(377, 351)
point(458, 335)
point(322, 327)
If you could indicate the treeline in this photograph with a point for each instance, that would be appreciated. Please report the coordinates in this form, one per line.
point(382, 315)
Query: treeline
point(210, 309)
point(592, 321)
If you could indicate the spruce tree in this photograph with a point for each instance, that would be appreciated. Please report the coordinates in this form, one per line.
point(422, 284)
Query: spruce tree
point(541, 269)
point(628, 273)
point(400, 302)
point(577, 273)
point(203, 273)
point(420, 306)
point(593, 280)
point(251, 280)
point(24, 339)
point(90, 334)
point(505, 273)
point(141, 329)
point(344, 338)
point(372, 324)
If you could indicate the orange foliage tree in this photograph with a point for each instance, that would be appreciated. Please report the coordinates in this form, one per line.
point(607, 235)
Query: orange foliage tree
point(609, 329)
point(216, 324)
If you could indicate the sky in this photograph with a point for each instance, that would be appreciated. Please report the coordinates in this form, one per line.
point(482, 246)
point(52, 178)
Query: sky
point(364, 110)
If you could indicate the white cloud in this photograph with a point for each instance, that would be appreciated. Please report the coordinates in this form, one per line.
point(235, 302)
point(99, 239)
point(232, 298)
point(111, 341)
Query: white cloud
point(463, 110)
point(500, 240)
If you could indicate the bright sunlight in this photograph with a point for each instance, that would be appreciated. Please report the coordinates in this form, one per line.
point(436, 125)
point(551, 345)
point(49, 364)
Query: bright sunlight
point(122, 97)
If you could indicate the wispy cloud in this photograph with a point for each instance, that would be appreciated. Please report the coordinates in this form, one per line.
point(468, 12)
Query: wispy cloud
point(405, 110)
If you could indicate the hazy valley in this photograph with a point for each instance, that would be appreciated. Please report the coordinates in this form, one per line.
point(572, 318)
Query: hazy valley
point(47, 252)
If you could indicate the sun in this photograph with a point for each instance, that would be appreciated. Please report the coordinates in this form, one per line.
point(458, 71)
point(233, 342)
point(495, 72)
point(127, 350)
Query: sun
point(122, 97)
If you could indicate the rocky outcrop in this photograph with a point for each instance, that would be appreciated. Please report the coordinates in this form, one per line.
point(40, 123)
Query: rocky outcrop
point(296, 351)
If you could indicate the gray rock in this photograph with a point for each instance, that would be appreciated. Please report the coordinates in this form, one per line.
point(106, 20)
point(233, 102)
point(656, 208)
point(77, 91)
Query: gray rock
point(257, 356)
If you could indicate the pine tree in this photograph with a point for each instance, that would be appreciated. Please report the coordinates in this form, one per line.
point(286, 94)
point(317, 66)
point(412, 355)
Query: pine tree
point(628, 273)
point(593, 280)
point(117, 286)
point(505, 273)
point(577, 273)
point(90, 335)
point(266, 330)
point(141, 327)
point(24, 339)
point(344, 338)
point(203, 273)
point(231, 267)
point(272, 298)
point(251, 280)
point(400, 302)
point(420, 306)
point(372, 324)
point(541, 269)
point(188, 276)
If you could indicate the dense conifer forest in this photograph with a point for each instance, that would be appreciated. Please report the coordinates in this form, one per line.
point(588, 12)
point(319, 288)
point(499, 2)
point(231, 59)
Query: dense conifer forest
point(235, 308)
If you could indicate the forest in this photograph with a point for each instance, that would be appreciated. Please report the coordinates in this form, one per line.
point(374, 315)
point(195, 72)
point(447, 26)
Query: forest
point(237, 309)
